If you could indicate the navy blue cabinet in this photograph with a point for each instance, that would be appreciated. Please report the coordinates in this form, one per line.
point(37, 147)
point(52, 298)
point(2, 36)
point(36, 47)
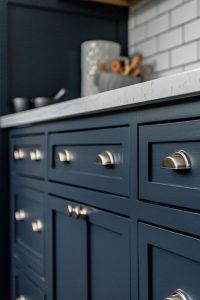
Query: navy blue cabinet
point(24, 288)
point(89, 252)
point(169, 264)
point(103, 212)
point(27, 217)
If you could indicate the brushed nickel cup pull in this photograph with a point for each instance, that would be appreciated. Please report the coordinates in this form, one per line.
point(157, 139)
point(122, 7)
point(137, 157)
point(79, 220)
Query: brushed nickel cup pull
point(35, 155)
point(105, 159)
point(20, 215)
point(177, 295)
point(37, 226)
point(21, 298)
point(64, 156)
point(179, 160)
point(19, 154)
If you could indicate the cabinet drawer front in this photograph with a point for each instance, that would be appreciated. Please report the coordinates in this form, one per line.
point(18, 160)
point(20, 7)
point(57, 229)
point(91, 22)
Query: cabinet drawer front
point(168, 262)
point(158, 181)
point(24, 287)
point(28, 156)
point(28, 226)
point(83, 148)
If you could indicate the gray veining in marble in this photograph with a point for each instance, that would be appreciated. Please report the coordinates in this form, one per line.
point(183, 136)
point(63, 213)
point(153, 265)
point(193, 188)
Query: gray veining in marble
point(167, 88)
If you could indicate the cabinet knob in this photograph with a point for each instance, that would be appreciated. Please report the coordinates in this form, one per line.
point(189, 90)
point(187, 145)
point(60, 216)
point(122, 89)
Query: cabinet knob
point(179, 160)
point(21, 298)
point(105, 158)
point(77, 212)
point(69, 210)
point(35, 155)
point(37, 226)
point(20, 215)
point(177, 295)
point(64, 156)
point(19, 154)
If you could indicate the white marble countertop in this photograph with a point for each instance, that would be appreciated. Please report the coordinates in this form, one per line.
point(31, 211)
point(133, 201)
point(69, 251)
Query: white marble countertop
point(162, 89)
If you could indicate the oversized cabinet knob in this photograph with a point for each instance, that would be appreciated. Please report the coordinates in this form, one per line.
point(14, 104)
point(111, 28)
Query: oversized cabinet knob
point(77, 212)
point(35, 155)
point(178, 295)
point(64, 156)
point(21, 298)
point(20, 215)
point(179, 160)
point(37, 226)
point(105, 158)
point(19, 154)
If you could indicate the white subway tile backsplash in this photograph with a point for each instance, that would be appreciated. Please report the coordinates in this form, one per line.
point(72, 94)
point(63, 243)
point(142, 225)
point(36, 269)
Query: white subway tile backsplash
point(192, 66)
point(170, 72)
point(147, 48)
point(158, 25)
point(146, 12)
point(192, 30)
point(170, 39)
point(137, 35)
point(184, 54)
point(167, 32)
point(160, 62)
point(184, 13)
point(166, 5)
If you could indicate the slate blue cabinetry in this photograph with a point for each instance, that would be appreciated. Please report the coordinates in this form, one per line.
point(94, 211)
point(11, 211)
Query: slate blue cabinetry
point(126, 230)
point(90, 257)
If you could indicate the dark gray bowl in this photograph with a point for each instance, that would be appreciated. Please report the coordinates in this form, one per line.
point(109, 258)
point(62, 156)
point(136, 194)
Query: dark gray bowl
point(41, 101)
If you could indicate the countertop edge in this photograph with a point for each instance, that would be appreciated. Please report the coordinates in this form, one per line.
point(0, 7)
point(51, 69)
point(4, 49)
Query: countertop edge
point(154, 91)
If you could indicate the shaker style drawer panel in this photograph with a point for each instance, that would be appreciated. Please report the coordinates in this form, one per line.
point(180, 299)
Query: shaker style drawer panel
point(28, 226)
point(96, 159)
point(28, 155)
point(169, 163)
point(25, 289)
point(169, 265)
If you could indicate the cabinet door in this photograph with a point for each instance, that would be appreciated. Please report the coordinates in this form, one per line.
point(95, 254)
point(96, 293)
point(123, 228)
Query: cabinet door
point(169, 263)
point(89, 256)
point(66, 268)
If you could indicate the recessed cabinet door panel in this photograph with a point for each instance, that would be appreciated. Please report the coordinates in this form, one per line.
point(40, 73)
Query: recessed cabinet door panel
point(83, 148)
point(24, 287)
point(65, 268)
point(158, 180)
point(90, 258)
point(27, 209)
point(168, 262)
point(108, 252)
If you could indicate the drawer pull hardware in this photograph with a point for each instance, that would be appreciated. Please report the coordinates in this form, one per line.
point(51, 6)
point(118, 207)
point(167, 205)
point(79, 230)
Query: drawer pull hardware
point(69, 210)
point(21, 298)
point(35, 155)
point(37, 226)
point(178, 295)
point(20, 215)
point(19, 154)
point(179, 160)
point(105, 159)
point(77, 212)
point(64, 156)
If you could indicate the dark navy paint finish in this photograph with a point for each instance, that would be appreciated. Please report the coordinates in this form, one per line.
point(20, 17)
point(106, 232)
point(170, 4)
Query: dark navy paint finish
point(167, 261)
point(27, 244)
point(27, 167)
point(180, 188)
point(128, 240)
point(24, 286)
point(90, 256)
point(82, 170)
